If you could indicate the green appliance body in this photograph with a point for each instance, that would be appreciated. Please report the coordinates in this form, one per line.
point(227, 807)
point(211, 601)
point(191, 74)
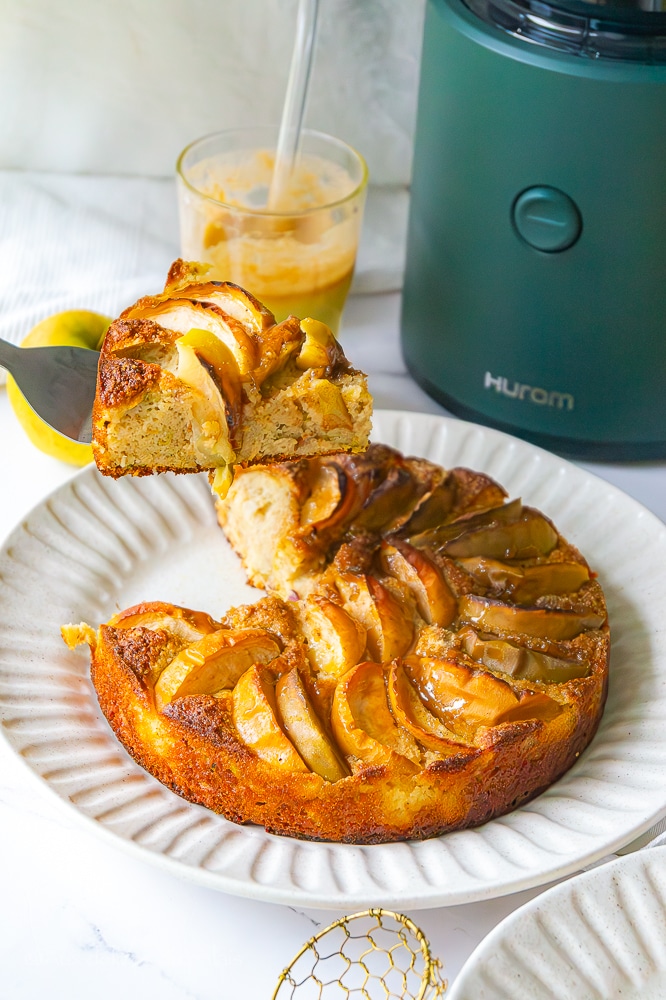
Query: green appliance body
point(535, 284)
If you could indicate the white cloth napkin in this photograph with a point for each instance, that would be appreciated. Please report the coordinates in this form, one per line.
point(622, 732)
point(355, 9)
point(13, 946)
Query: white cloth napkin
point(79, 242)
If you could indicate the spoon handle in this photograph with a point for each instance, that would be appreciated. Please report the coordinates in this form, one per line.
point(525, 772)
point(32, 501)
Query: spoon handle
point(293, 111)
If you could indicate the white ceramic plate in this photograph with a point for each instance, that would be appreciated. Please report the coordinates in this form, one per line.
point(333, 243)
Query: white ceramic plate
point(600, 936)
point(97, 545)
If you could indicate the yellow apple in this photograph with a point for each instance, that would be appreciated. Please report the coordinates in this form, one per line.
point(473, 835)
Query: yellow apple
point(74, 328)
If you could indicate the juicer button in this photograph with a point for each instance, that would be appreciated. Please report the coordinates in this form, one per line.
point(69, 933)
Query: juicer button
point(547, 219)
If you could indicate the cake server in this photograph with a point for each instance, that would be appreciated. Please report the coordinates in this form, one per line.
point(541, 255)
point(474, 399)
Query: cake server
point(58, 383)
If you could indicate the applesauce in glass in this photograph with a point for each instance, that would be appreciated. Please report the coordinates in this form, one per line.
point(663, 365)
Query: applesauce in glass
point(297, 257)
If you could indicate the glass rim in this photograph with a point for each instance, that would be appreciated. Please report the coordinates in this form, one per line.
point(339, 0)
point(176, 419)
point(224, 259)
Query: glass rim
point(359, 187)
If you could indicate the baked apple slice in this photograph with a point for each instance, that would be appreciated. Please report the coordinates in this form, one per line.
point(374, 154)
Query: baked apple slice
point(411, 713)
point(520, 661)
point(319, 349)
point(180, 315)
point(525, 583)
point(213, 663)
point(384, 506)
point(256, 720)
point(441, 534)
point(434, 600)
point(539, 623)
point(181, 623)
point(207, 365)
point(529, 535)
point(305, 729)
point(464, 697)
point(324, 506)
point(389, 628)
point(508, 532)
point(335, 640)
point(362, 722)
point(189, 280)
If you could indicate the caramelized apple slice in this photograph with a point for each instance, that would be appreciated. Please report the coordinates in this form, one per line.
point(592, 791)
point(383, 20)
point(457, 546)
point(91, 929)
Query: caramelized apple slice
point(411, 713)
point(334, 496)
point(256, 720)
point(181, 623)
point(213, 663)
point(509, 532)
point(375, 490)
point(525, 583)
point(389, 627)
point(219, 364)
point(459, 490)
point(362, 721)
point(386, 503)
point(531, 535)
point(327, 490)
point(437, 537)
point(182, 315)
point(432, 508)
point(519, 661)
point(320, 348)
point(277, 345)
point(305, 730)
point(186, 280)
point(435, 602)
point(540, 623)
point(336, 641)
point(464, 698)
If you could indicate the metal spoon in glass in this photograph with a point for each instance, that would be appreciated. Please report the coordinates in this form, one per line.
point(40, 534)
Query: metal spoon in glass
point(58, 383)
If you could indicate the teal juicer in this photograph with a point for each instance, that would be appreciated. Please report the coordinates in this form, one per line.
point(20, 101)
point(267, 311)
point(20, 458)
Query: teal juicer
point(535, 286)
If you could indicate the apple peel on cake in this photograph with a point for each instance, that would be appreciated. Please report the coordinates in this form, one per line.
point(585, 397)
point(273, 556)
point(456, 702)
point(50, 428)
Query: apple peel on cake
point(201, 377)
point(430, 655)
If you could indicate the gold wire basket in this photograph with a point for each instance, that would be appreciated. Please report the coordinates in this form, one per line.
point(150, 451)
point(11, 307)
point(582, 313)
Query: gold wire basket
point(372, 955)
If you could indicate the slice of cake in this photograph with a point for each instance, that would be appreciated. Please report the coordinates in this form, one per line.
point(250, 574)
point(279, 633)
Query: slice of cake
point(201, 377)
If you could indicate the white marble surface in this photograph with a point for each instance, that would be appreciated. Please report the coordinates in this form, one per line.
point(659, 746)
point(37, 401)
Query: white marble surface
point(81, 918)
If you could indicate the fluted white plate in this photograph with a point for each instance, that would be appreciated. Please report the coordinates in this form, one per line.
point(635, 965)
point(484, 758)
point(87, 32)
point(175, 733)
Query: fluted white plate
point(98, 545)
point(599, 936)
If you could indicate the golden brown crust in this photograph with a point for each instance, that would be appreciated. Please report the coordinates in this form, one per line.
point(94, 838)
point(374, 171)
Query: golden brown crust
point(122, 380)
point(194, 749)
point(408, 695)
point(124, 334)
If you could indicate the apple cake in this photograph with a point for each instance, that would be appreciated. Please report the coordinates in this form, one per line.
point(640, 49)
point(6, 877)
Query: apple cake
point(201, 377)
point(429, 654)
